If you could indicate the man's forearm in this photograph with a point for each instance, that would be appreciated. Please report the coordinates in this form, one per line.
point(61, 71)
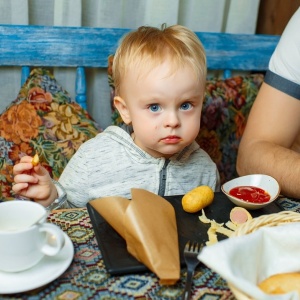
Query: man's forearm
point(267, 158)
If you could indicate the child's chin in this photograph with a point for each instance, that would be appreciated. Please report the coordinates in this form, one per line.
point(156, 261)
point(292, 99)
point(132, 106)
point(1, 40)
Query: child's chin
point(169, 154)
point(166, 152)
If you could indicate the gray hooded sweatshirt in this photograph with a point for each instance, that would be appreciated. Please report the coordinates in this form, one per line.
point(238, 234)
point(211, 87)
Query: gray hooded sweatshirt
point(111, 164)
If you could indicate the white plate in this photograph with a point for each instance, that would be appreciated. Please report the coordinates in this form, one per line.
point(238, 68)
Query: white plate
point(48, 269)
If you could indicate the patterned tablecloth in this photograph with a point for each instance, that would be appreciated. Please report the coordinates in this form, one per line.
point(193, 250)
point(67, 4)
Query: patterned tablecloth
point(86, 278)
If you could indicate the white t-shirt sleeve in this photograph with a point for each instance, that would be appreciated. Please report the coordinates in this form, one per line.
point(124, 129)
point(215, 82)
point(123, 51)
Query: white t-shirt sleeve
point(285, 60)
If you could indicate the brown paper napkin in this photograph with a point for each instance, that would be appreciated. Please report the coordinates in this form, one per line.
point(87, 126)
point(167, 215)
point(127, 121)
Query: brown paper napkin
point(148, 225)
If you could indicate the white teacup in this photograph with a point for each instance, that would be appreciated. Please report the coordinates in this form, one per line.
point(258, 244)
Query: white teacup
point(23, 245)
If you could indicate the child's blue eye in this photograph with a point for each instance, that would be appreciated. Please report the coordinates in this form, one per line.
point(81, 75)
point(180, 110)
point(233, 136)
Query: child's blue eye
point(186, 106)
point(154, 107)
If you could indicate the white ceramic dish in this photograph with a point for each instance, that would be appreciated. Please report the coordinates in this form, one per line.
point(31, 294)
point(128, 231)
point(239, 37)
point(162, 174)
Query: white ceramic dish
point(265, 182)
point(48, 269)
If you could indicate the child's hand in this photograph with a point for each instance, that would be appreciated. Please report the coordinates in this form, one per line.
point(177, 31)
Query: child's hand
point(33, 181)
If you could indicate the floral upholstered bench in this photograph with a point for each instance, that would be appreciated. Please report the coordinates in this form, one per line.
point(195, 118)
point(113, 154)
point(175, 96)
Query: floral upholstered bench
point(45, 119)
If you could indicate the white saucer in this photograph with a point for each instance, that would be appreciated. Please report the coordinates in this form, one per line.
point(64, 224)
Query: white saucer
point(48, 269)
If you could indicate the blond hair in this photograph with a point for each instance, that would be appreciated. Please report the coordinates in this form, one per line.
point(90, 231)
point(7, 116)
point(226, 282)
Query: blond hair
point(148, 47)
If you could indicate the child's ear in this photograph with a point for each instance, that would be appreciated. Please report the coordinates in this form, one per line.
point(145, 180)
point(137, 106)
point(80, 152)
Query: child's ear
point(122, 108)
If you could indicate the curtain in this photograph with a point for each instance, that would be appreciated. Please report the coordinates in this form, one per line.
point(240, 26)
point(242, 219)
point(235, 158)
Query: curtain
point(233, 16)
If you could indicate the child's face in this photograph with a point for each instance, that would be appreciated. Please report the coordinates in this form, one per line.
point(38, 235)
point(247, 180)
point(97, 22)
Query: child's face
point(164, 109)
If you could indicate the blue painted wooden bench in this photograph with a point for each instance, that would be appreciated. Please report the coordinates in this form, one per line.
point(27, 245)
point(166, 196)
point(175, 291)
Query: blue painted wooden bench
point(81, 47)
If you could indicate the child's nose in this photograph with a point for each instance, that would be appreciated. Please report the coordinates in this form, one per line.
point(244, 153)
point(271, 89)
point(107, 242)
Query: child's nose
point(172, 120)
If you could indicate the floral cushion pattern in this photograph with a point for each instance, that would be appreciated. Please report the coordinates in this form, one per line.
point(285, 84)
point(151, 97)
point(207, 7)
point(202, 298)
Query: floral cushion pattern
point(225, 111)
point(42, 119)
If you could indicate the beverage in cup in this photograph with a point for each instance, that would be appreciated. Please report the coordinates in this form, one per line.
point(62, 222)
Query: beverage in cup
point(25, 237)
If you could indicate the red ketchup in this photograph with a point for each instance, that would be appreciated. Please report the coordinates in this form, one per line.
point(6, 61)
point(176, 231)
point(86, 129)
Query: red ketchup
point(250, 194)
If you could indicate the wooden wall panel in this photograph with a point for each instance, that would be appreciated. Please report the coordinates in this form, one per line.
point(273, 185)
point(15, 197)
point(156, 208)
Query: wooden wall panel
point(274, 15)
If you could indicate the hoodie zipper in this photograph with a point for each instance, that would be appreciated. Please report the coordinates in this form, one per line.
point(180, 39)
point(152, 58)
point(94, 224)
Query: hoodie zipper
point(163, 179)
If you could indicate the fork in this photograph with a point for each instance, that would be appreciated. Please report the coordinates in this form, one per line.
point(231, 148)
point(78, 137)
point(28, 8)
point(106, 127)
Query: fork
point(191, 251)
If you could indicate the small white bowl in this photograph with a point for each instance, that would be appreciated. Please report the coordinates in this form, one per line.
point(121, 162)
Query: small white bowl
point(265, 182)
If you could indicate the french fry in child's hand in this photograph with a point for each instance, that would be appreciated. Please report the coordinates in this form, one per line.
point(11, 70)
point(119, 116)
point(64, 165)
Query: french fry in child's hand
point(35, 161)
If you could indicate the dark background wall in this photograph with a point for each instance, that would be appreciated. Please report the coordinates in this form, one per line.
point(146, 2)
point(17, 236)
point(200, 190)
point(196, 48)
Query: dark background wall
point(274, 15)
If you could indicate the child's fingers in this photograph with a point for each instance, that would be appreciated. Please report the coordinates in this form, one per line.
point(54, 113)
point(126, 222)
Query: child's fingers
point(19, 187)
point(25, 178)
point(27, 163)
point(22, 167)
point(26, 159)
